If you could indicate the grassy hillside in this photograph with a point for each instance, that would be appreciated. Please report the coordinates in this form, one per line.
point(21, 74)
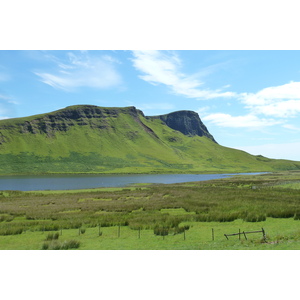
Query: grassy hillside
point(115, 140)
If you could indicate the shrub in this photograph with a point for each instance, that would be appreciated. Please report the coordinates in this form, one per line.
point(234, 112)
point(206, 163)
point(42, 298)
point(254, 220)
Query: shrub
point(297, 216)
point(163, 231)
point(55, 245)
point(178, 230)
point(201, 218)
point(7, 218)
point(281, 213)
point(45, 246)
point(49, 227)
point(72, 244)
point(11, 231)
point(254, 218)
point(52, 236)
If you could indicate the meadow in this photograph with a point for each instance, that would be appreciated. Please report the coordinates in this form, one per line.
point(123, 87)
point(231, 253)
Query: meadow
point(185, 216)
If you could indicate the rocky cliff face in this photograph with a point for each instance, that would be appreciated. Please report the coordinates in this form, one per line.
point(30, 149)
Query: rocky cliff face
point(187, 122)
point(62, 120)
point(101, 118)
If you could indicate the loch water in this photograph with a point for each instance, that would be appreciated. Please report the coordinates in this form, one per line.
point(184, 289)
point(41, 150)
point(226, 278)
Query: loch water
point(70, 182)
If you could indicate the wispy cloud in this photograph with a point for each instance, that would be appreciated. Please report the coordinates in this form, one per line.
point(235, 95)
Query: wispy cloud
point(278, 101)
point(164, 68)
point(246, 121)
point(291, 127)
point(82, 70)
point(268, 107)
point(282, 109)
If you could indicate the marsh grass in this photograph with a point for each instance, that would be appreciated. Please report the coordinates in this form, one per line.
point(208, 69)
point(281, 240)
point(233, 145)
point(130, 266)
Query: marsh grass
point(65, 245)
point(11, 230)
point(159, 206)
point(52, 236)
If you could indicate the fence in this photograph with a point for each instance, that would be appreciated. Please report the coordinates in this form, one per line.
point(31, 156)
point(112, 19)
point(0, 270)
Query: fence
point(245, 234)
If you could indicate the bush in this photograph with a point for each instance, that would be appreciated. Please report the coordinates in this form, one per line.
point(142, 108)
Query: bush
point(202, 218)
point(254, 218)
point(297, 216)
point(55, 245)
point(11, 231)
point(49, 227)
point(45, 246)
point(162, 231)
point(281, 213)
point(7, 218)
point(178, 230)
point(52, 236)
point(72, 244)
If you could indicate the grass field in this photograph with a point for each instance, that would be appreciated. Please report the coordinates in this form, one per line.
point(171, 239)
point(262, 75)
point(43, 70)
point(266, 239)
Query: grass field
point(179, 216)
point(281, 234)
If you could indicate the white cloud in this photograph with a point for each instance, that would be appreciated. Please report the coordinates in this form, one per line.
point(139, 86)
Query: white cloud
point(270, 94)
point(203, 110)
point(82, 71)
point(164, 68)
point(279, 101)
point(283, 109)
point(247, 121)
point(291, 127)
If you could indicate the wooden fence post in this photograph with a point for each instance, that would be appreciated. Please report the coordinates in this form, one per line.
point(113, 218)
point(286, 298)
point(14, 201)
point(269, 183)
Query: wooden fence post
point(212, 234)
point(184, 234)
point(239, 234)
point(264, 234)
point(119, 230)
point(139, 232)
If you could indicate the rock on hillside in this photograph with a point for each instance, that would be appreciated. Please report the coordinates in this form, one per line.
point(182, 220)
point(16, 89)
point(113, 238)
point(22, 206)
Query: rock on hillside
point(187, 122)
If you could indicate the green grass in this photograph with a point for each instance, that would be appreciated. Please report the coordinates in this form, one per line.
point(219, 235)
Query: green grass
point(294, 185)
point(243, 203)
point(281, 234)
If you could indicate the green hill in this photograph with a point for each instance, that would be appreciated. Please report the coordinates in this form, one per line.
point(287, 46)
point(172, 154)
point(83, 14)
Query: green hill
point(92, 139)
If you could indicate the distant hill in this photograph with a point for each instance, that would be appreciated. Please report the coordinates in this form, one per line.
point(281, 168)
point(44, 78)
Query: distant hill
point(92, 139)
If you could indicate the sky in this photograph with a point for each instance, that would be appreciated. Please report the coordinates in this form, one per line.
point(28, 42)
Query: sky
point(248, 99)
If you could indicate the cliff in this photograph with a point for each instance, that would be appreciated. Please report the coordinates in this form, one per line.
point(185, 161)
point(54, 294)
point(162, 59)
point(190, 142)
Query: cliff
point(187, 122)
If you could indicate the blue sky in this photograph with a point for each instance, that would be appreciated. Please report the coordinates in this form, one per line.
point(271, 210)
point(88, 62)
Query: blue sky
point(249, 100)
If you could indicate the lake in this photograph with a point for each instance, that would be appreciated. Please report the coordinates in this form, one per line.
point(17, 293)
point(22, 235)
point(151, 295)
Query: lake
point(70, 182)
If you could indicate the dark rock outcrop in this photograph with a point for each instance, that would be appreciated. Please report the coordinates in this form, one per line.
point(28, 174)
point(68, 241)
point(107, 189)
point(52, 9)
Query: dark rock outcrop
point(187, 122)
point(84, 115)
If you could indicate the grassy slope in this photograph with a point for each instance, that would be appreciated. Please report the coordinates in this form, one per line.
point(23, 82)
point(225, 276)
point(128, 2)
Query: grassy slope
point(124, 146)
